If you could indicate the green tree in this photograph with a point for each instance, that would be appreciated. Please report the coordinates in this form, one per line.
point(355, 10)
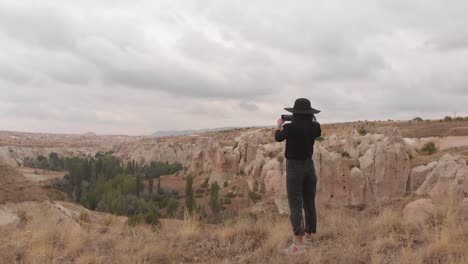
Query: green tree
point(159, 189)
point(214, 198)
point(138, 185)
point(55, 163)
point(150, 183)
point(448, 118)
point(190, 201)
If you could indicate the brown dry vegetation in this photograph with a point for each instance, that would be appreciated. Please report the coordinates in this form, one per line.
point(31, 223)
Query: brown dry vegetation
point(66, 233)
point(14, 187)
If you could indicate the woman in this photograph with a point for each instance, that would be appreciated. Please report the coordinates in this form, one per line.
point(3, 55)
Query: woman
point(301, 180)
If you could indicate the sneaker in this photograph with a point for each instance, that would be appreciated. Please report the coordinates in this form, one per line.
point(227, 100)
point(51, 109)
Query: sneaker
point(295, 248)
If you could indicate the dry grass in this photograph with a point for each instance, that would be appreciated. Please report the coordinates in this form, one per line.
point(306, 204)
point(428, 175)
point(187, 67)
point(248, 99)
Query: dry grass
point(345, 236)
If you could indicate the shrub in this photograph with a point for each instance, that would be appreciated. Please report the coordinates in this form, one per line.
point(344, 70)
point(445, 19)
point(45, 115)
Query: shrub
point(418, 119)
point(152, 218)
point(226, 184)
point(429, 148)
point(230, 195)
point(255, 197)
point(23, 217)
point(448, 118)
point(345, 154)
point(459, 118)
point(136, 219)
point(108, 220)
point(319, 139)
point(227, 201)
point(56, 196)
point(465, 118)
point(362, 131)
point(84, 217)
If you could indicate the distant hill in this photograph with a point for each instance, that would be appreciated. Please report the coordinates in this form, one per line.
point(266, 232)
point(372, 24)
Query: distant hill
point(188, 132)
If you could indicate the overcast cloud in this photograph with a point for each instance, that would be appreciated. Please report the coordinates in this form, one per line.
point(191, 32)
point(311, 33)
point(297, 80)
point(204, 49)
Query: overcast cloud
point(135, 67)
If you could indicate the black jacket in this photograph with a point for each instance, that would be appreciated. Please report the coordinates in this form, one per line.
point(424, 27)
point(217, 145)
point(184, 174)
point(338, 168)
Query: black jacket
point(300, 137)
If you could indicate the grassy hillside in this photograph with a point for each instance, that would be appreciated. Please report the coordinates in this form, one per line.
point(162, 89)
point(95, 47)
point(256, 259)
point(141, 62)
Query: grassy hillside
point(67, 233)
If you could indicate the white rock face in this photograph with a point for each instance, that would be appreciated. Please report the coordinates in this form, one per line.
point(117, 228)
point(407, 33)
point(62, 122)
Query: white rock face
point(378, 169)
point(357, 187)
point(418, 212)
point(378, 166)
point(163, 151)
point(14, 155)
point(419, 175)
point(448, 177)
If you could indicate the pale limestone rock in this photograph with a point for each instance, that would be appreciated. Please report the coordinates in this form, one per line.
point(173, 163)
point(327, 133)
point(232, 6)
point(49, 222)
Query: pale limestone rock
point(419, 175)
point(418, 212)
point(357, 188)
point(449, 177)
point(386, 166)
point(15, 155)
point(282, 205)
point(271, 165)
point(378, 167)
point(333, 173)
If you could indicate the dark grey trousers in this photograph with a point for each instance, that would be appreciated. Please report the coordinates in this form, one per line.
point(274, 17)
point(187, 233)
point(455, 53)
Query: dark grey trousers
point(301, 183)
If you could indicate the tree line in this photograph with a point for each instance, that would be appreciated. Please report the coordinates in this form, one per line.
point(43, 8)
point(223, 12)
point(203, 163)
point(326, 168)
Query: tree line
point(104, 184)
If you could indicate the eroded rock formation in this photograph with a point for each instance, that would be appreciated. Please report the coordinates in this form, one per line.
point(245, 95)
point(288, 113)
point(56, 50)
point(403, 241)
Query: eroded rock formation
point(448, 176)
point(15, 155)
point(376, 168)
point(351, 171)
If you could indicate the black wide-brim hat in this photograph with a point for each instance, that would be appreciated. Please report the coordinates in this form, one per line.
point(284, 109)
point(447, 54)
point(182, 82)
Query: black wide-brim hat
point(302, 106)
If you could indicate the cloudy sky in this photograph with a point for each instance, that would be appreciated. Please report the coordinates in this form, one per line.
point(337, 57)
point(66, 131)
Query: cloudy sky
point(135, 67)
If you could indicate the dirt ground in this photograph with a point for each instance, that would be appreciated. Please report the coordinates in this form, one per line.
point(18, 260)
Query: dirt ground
point(38, 175)
point(409, 129)
point(15, 188)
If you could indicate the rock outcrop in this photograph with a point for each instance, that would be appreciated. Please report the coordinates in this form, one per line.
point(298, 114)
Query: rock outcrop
point(449, 176)
point(15, 155)
point(419, 175)
point(418, 212)
point(377, 167)
point(351, 171)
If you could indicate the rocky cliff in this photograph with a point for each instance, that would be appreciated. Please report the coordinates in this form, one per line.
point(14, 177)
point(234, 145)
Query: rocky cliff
point(448, 176)
point(15, 155)
point(354, 171)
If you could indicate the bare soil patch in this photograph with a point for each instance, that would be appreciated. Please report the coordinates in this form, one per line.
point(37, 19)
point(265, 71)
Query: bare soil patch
point(14, 187)
point(7, 216)
point(39, 175)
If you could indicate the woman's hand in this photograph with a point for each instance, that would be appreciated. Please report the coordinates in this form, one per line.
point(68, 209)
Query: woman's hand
point(280, 123)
